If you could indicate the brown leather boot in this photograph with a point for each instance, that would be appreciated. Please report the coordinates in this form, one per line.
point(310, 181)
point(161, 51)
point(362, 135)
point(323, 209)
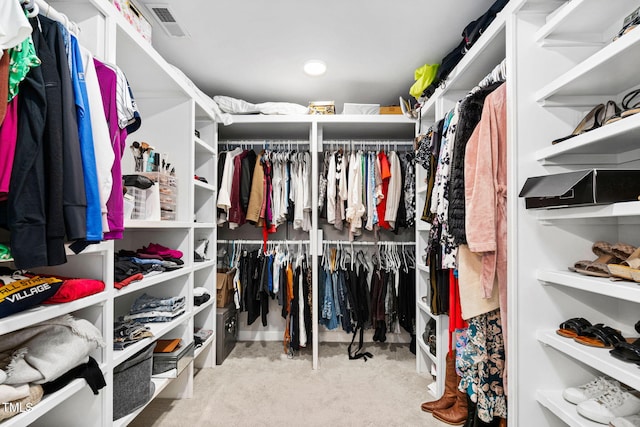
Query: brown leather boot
point(455, 415)
point(450, 385)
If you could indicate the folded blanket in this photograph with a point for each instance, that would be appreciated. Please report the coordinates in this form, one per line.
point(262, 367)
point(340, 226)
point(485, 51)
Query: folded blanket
point(9, 393)
point(22, 405)
point(46, 350)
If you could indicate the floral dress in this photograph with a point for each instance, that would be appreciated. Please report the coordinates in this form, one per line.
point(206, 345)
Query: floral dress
point(480, 362)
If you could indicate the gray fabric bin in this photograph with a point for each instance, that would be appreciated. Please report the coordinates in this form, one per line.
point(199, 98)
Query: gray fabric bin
point(132, 386)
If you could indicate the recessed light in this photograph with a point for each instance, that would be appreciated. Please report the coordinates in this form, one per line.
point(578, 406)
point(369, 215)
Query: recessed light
point(315, 67)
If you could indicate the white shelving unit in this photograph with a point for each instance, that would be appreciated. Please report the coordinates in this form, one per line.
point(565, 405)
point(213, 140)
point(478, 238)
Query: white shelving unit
point(172, 111)
point(583, 68)
point(307, 132)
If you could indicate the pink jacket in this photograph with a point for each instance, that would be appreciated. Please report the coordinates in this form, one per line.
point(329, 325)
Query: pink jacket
point(486, 195)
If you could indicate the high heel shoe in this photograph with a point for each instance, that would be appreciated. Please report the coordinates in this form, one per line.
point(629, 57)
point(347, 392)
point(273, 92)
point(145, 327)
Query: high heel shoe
point(611, 113)
point(592, 120)
point(631, 107)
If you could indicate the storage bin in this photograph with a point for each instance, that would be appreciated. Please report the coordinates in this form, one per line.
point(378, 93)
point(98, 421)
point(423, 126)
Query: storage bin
point(133, 15)
point(159, 202)
point(361, 108)
point(177, 359)
point(582, 188)
point(132, 386)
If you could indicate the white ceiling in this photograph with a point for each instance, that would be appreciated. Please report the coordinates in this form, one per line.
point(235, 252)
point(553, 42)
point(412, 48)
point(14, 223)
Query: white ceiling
point(255, 49)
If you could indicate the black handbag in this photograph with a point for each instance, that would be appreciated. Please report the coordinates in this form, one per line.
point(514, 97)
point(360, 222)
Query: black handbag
point(474, 29)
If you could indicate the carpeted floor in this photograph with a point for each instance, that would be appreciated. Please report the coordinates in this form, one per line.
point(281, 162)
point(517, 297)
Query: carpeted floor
point(259, 386)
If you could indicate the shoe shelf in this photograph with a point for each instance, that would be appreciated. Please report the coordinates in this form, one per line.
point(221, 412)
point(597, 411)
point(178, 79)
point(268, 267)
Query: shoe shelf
point(204, 264)
point(615, 143)
point(422, 189)
point(553, 401)
point(608, 72)
point(620, 289)
point(597, 358)
point(576, 23)
point(42, 313)
point(151, 281)
point(422, 226)
point(425, 348)
point(198, 351)
point(201, 307)
point(199, 185)
point(204, 225)
point(423, 268)
point(202, 148)
point(601, 213)
point(157, 329)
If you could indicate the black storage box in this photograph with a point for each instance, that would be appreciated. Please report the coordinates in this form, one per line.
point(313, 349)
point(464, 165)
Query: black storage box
point(177, 359)
point(132, 386)
point(580, 188)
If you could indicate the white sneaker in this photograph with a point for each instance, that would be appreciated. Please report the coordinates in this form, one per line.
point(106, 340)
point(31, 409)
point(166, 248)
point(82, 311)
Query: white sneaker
point(630, 421)
point(614, 403)
point(594, 388)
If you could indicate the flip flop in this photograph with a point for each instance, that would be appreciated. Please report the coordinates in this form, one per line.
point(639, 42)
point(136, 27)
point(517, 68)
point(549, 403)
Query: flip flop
point(600, 336)
point(573, 327)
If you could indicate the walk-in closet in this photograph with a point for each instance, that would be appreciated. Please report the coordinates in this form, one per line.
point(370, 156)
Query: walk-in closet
point(436, 224)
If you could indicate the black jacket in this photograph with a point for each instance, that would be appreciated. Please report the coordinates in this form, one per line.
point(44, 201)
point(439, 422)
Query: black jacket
point(248, 164)
point(469, 117)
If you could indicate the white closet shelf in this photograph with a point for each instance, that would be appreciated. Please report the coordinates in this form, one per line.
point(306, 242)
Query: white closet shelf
point(47, 403)
point(203, 186)
point(553, 401)
point(91, 249)
point(425, 309)
point(137, 223)
point(422, 226)
point(158, 330)
point(624, 209)
point(609, 72)
point(198, 351)
point(425, 348)
point(204, 225)
point(624, 290)
point(483, 56)
point(573, 22)
point(423, 268)
point(197, 266)
point(201, 147)
point(610, 144)
point(198, 308)
point(597, 358)
point(422, 189)
point(46, 312)
point(152, 280)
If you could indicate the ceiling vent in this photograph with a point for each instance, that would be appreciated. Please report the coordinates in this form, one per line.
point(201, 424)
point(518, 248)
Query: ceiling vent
point(167, 20)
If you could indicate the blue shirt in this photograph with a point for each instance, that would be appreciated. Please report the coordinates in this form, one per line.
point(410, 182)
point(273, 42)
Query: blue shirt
point(94, 213)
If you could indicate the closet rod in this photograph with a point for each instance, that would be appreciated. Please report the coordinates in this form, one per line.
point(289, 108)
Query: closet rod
point(260, 242)
point(264, 141)
point(365, 243)
point(51, 13)
point(368, 142)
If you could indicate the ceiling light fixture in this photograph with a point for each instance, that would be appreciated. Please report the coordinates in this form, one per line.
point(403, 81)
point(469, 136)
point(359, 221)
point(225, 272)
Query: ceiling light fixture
point(315, 67)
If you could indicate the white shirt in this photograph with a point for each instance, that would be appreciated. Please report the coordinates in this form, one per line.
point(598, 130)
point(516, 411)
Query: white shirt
point(14, 26)
point(101, 139)
point(224, 197)
point(331, 190)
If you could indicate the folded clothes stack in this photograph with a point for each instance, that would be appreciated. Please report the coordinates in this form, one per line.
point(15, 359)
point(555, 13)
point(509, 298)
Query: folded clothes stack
point(135, 265)
point(150, 309)
point(129, 332)
point(200, 295)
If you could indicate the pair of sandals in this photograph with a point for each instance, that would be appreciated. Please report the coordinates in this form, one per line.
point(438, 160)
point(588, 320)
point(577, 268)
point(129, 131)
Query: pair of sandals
point(598, 335)
point(604, 114)
point(620, 260)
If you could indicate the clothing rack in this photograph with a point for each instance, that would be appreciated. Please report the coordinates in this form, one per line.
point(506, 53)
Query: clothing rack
point(45, 9)
point(261, 242)
point(367, 243)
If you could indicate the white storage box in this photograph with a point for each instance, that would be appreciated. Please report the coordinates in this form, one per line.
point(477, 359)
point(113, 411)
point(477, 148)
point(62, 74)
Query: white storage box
point(361, 108)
